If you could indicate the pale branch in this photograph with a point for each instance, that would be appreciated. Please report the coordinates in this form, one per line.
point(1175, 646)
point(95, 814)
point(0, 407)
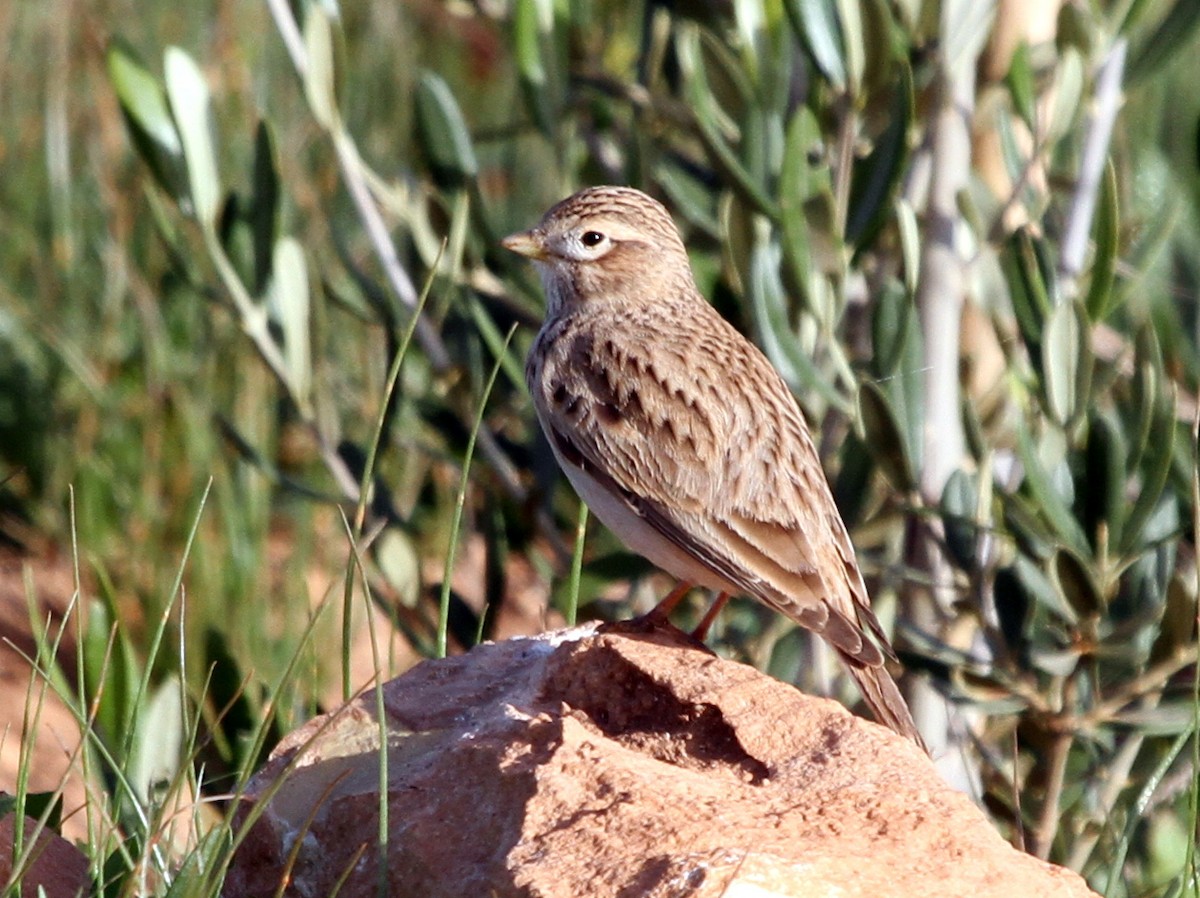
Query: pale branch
point(1097, 135)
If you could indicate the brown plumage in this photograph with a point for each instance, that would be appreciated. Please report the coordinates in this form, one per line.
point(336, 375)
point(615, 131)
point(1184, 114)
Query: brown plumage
point(681, 436)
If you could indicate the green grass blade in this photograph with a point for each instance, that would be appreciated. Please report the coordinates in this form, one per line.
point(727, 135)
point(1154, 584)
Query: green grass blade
point(456, 523)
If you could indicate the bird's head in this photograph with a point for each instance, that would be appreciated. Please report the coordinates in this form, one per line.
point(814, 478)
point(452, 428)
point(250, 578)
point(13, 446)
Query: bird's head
point(606, 244)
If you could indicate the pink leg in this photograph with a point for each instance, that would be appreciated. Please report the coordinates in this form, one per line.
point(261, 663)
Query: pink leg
point(701, 631)
point(671, 601)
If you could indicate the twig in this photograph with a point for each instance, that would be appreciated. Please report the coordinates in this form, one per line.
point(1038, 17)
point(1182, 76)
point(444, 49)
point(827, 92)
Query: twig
point(1018, 820)
point(293, 41)
point(940, 294)
point(1149, 681)
point(843, 175)
point(996, 230)
point(1097, 135)
point(1047, 826)
point(940, 291)
point(1116, 778)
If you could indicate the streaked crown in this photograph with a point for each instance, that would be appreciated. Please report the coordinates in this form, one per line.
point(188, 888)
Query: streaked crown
point(607, 243)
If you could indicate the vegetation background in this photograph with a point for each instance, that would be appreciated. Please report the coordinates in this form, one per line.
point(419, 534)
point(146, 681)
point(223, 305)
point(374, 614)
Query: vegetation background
point(965, 232)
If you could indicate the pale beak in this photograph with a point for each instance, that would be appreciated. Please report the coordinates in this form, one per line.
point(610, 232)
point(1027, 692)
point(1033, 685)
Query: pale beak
point(526, 243)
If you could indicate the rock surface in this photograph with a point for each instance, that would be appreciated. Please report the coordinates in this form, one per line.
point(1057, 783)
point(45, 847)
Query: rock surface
point(46, 753)
point(625, 761)
point(47, 862)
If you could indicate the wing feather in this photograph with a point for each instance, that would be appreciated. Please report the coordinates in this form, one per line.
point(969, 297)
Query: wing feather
point(721, 466)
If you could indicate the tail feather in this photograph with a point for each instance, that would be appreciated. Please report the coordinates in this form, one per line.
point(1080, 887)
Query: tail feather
point(883, 697)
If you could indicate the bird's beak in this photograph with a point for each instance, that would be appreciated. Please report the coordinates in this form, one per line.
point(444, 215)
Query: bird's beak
point(526, 243)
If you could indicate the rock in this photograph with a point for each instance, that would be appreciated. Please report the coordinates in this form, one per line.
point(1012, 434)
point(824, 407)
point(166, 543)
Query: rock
point(621, 761)
point(42, 754)
point(51, 864)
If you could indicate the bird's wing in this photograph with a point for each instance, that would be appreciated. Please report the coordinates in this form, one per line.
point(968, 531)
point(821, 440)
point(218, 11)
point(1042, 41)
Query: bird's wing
point(695, 430)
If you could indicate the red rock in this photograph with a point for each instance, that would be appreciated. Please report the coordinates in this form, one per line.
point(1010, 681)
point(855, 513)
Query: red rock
point(53, 863)
point(621, 764)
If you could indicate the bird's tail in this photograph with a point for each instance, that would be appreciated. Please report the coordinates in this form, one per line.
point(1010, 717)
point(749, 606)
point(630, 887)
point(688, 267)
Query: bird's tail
point(883, 697)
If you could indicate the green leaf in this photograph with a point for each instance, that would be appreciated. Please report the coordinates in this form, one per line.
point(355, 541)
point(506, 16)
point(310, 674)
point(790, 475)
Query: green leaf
point(758, 145)
point(1171, 718)
point(1101, 296)
point(816, 24)
point(111, 668)
point(1066, 361)
point(1014, 154)
point(890, 322)
point(1055, 661)
point(1146, 386)
point(189, 97)
point(959, 502)
point(319, 75)
point(1077, 31)
point(263, 214)
point(875, 179)
point(288, 300)
point(710, 120)
point(774, 61)
point(1029, 530)
point(852, 490)
point(813, 248)
point(1155, 469)
point(1027, 269)
point(853, 43)
point(884, 435)
point(1067, 91)
point(904, 390)
point(237, 238)
point(890, 41)
point(514, 370)
point(148, 116)
point(690, 199)
point(977, 436)
point(1178, 622)
point(156, 749)
point(910, 243)
point(1046, 497)
point(1073, 582)
point(1105, 462)
point(443, 131)
point(804, 176)
point(1021, 86)
point(1173, 34)
point(529, 23)
point(789, 655)
point(768, 304)
point(963, 30)
point(1170, 841)
point(1039, 587)
point(533, 33)
point(398, 561)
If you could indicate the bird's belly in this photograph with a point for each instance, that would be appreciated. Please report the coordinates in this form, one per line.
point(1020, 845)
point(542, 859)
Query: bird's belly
point(638, 535)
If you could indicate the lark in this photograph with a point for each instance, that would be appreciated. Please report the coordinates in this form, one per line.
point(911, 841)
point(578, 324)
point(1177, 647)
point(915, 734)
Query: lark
point(680, 435)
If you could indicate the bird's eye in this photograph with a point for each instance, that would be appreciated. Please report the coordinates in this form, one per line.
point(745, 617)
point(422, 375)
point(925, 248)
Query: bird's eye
point(592, 238)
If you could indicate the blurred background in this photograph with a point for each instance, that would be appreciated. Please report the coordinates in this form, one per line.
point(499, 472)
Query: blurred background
point(965, 232)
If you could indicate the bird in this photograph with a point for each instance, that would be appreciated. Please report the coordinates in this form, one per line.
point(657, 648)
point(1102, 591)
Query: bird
point(681, 436)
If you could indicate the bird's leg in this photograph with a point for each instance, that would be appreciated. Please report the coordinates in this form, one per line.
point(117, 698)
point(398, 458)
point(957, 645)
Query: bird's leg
point(701, 631)
point(671, 601)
